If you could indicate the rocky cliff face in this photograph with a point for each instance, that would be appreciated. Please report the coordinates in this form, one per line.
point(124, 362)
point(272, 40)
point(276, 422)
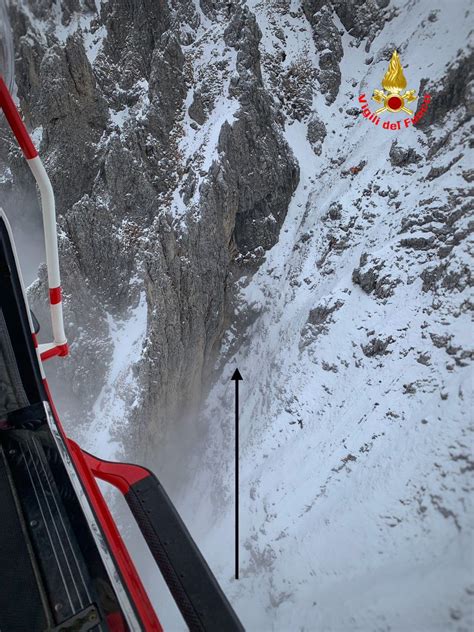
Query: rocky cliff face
point(116, 92)
point(224, 202)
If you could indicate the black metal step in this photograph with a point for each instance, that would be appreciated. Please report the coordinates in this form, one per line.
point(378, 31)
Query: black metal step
point(22, 598)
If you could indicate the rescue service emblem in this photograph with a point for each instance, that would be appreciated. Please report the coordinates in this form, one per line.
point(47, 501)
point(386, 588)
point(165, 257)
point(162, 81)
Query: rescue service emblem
point(394, 99)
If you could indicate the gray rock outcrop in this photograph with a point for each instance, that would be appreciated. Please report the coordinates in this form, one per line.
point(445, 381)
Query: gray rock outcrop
point(111, 107)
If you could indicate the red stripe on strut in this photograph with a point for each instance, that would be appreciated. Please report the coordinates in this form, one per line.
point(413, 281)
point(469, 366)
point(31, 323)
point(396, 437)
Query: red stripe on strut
point(14, 120)
point(59, 350)
point(55, 295)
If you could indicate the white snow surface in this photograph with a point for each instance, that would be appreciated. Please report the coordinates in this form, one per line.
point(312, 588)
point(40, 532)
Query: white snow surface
point(118, 398)
point(208, 59)
point(355, 506)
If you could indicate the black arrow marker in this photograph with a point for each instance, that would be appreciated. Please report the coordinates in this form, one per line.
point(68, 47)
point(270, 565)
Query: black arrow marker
point(236, 377)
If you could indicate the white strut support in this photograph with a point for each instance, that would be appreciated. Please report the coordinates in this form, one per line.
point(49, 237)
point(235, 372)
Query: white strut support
point(51, 246)
point(49, 219)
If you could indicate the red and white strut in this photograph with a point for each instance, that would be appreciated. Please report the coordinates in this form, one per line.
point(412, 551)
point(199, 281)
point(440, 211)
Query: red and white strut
point(59, 346)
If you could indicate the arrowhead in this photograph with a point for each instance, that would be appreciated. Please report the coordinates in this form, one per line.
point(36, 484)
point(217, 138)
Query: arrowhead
point(236, 375)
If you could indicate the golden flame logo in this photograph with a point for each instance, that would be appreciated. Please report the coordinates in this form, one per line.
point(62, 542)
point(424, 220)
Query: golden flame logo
point(394, 79)
point(393, 83)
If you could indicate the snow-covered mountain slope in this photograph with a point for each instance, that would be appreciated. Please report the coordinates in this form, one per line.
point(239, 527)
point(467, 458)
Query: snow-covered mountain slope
point(232, 207)
point(356, 401)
